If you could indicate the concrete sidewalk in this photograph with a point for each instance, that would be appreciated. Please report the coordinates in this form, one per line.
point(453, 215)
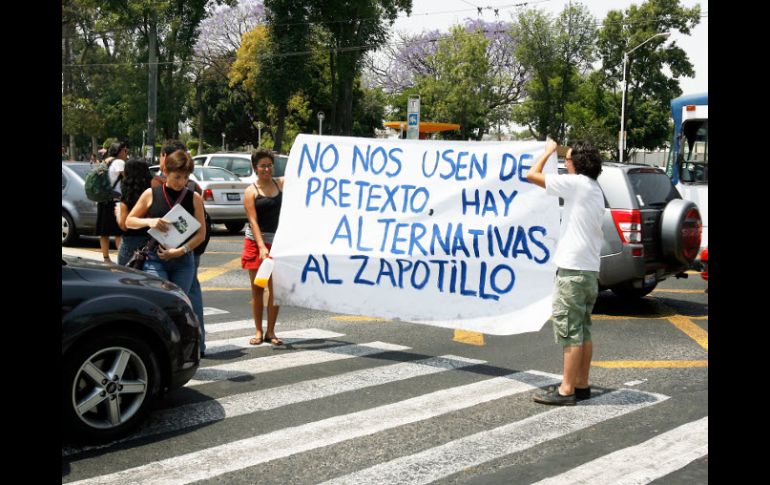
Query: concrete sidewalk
point(95, 253)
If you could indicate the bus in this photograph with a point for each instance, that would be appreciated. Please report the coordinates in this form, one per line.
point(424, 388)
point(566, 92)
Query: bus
point(688, 161)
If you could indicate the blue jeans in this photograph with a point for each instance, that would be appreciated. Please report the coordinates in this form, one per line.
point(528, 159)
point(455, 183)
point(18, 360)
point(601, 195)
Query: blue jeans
point(180, 271)
point(127, 247)
point(196, 297)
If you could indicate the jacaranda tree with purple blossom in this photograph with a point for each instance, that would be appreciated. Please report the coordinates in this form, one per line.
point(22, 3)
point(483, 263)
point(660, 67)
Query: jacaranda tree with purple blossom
point(469, 76)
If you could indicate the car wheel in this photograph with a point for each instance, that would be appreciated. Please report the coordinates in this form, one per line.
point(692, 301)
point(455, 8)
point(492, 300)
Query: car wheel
point(108, 386)
point(234, 227)
point(631, 293)
point(69, 233)
point(680, 232)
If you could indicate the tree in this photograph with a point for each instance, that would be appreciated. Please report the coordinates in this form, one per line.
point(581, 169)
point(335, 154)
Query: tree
point(354, 26)
point(556, 52)
point(285, 68)
point(649, 91)
point(430, 64)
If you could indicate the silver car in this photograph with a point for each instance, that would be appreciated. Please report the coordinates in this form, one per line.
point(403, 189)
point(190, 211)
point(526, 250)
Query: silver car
point(240, 164)
point(78, 213)
point(222, 195)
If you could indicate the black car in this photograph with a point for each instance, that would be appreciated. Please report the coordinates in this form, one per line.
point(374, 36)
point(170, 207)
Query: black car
point(650, 232)
point(127, 337)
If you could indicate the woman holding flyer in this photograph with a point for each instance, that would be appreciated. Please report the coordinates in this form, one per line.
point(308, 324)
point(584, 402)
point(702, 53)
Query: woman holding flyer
point(263, 206)
point(173, 262)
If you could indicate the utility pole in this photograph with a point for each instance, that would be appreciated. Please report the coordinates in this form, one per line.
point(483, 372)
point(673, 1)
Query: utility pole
point(152, 88)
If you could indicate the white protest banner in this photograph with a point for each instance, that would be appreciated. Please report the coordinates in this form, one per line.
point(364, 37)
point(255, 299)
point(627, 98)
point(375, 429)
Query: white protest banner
point(444, 233)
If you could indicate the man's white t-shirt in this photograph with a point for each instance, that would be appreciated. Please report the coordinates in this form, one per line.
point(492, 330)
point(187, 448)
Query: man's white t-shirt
point(116, 166)
point(580, 242)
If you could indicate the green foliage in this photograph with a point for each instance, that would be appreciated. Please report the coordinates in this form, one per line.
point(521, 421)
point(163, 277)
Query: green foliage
point(456, 93)
point(555, 51)
point(649, 91)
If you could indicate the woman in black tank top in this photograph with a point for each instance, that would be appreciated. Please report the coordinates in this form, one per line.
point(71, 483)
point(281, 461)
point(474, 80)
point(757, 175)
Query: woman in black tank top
point(174, 264)
point(262, 201)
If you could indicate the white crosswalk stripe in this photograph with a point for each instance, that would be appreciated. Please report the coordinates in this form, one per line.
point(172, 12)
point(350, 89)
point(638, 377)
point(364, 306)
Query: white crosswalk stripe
point(410, 407)
point(285, 361)
point(195, 414)
point(289, 337)
point(213, 311)
point(220, 327)
point(452, 457)
point(645, 462)
point(289, 441)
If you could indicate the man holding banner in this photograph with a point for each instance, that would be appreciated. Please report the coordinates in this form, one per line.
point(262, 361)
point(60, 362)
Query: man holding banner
point(577, 258)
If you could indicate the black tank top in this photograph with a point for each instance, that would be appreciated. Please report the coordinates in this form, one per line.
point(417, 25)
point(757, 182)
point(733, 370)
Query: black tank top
point(160, 206)
point(268, 210)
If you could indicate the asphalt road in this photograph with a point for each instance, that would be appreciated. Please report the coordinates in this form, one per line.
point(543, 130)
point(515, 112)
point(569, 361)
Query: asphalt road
point(363, 400)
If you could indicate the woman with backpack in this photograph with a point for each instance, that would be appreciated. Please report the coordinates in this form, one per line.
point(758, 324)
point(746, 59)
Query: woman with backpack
point(106, 224)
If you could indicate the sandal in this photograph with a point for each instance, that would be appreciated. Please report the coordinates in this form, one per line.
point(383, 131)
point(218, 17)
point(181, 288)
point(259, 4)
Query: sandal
point(274, 340)
point(256, 341)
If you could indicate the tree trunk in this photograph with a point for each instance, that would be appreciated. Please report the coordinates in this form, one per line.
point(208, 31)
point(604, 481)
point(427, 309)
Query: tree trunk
point(347, 105)
point(333, 115)
point(94, 148)
point(201, 117)
point(278, 140)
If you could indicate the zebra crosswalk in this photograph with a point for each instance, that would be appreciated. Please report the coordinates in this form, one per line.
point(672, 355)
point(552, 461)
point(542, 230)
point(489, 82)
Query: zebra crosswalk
point(384, 388)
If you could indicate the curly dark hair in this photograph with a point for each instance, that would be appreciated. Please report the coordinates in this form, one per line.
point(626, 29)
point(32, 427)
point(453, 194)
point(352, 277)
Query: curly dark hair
point(586, 159)
point(136, 179)
point(259, 154)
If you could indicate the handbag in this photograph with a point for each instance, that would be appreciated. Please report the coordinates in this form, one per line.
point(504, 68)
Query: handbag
point(140, 255)
point(138, 258)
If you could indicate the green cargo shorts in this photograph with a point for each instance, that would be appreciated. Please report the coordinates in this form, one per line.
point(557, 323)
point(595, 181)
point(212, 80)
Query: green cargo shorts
point(573, 301)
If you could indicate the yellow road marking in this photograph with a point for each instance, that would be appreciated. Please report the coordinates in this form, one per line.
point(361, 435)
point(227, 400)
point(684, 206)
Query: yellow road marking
point(466, 337)
point(214, 288)
point(359, 318)
point(214, 272)
point(623, 317)
point(663, 290)
point(649, 364)
point(691, 330)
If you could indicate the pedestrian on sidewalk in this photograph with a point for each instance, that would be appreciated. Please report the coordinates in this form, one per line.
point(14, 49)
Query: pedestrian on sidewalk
point(577, 258)
point(106, 223)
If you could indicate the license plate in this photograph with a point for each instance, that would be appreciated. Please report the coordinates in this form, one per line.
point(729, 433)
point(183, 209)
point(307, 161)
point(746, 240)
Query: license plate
point(233, 196)
point(649, 280)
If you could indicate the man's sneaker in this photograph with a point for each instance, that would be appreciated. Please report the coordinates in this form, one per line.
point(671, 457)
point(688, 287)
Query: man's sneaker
point(552, 397)
point(582, 394)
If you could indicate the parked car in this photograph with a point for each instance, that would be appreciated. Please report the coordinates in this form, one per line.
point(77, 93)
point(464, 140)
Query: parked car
point(78, 213)
point(240, 164)
point(223, 194)
point(127, 337)
point(650, 232)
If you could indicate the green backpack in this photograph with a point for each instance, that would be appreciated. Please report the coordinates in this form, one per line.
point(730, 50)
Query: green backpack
point(97, 184)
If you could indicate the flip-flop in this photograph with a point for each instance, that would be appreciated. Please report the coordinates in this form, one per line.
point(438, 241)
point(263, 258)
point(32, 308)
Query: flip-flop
point(255, 341)
point(274, 340)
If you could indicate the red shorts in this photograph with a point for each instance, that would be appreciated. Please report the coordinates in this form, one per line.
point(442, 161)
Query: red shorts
point(250, 256)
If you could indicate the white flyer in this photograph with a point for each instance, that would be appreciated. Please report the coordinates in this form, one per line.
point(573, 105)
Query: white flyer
point(182, 225)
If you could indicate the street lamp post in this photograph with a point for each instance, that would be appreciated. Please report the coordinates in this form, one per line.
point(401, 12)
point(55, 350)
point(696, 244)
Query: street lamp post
point(259, 133)
point(621, 137)
point(223, 141)
point(320, 122)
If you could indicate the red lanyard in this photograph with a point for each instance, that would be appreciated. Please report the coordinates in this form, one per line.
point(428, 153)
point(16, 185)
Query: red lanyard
point(166, 196)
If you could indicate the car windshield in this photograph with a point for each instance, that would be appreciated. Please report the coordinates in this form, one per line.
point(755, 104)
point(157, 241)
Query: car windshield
point(652, 187)
point(81, 169)
point(215, 174)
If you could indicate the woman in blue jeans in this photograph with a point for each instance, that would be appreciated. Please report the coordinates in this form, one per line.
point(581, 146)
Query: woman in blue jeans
point(136, 179)
point(174, 264)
